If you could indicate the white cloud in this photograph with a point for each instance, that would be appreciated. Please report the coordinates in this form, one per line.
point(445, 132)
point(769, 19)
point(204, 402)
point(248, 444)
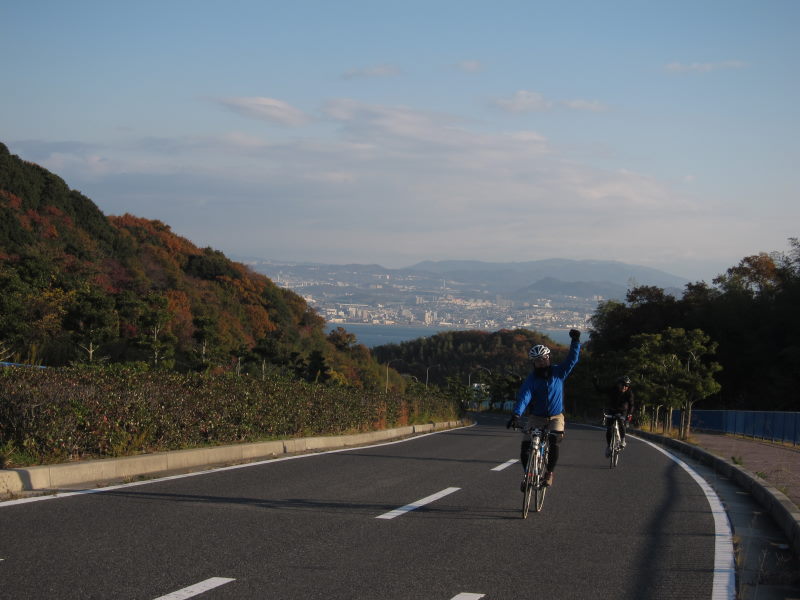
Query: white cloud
point(267, 109)
point(524, 101)
point(587, 105)
point(360, 118)
point(372, 72)
point(698, 67)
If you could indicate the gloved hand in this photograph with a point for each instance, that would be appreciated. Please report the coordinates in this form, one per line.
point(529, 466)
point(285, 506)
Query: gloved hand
point(514, 422)
point(575, 335)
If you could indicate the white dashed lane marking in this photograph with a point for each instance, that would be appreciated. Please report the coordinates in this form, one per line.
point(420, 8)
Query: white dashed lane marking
point(414, 505)
point(196, 589)
point(506, 464)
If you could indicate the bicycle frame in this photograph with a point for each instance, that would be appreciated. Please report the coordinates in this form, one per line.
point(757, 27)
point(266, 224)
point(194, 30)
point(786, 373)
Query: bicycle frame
point(535, 469)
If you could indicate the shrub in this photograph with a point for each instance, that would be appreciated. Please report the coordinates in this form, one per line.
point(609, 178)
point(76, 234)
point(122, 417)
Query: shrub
point(53, 415)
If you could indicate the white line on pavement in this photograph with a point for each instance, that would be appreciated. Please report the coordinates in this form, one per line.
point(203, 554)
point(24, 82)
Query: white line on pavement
point(414, 505)
point(506, 464)
point(723, 586)
point(468, 596)
point(196, 589)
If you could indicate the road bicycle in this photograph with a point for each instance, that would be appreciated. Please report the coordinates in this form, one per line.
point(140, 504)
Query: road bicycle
point(534, 482)
point(615, 445)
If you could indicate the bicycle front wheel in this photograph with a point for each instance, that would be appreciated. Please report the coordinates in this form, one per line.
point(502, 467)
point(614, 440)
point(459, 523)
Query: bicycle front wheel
point(541, 488)
point(614, 456)
point(529, 485)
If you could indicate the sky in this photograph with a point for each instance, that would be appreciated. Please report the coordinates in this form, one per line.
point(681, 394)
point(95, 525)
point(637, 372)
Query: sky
point(656, 133)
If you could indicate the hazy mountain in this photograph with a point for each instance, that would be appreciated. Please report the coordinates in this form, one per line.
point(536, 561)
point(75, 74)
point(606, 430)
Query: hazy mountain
point(549, 287)
point(514, 276)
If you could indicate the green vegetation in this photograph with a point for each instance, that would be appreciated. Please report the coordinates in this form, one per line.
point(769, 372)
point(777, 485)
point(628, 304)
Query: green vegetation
point(53, 415)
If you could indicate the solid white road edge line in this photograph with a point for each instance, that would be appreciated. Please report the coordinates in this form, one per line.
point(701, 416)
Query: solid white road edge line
point(506, 464)
point(468, 596)
point(724, 583)
point(196, 589)
point(414, 505)
point(109, 488)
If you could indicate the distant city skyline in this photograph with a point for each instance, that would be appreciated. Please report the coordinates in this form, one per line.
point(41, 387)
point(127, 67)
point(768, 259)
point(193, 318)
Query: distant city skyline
point(656, 134)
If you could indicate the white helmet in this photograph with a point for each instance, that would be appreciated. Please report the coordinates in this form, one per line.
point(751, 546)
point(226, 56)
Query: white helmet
point(539, 351)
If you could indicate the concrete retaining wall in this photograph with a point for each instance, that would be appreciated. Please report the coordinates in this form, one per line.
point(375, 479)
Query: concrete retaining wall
point(91, 473)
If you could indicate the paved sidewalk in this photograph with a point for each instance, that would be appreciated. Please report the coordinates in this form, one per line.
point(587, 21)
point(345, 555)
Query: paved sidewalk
point(779, 465)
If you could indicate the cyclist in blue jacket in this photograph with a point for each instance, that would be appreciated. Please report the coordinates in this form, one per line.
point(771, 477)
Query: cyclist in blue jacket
point(542, 393)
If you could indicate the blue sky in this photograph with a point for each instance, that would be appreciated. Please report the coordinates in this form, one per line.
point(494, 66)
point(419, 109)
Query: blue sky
point(661, 133)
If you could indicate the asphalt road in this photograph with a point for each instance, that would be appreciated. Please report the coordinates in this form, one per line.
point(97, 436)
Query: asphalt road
point(329, 526)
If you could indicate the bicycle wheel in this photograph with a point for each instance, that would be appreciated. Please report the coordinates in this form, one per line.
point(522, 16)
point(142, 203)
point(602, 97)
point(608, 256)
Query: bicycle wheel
point(529, 484)
point(541, 488)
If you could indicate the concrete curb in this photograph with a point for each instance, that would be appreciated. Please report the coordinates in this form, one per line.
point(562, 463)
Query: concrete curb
point(90, 473)
point(785, 513)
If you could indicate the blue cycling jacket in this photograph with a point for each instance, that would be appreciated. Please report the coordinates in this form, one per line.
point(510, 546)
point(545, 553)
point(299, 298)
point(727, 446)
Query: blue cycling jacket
point(546, 394)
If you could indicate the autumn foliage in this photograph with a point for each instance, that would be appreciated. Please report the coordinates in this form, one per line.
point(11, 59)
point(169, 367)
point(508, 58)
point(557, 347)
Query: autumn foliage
point(77, 286)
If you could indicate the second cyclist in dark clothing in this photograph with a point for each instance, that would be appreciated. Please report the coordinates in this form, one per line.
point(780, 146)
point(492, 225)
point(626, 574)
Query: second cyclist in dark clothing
point(620, 403)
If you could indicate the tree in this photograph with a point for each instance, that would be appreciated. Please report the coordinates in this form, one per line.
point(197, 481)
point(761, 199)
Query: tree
point(154, 320)
point(342, 339)
point(674, 370)
point(91, 319)
point(317, 369)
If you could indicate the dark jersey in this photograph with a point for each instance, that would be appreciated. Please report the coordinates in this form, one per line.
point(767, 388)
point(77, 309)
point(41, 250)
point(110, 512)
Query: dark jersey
point(618, 401)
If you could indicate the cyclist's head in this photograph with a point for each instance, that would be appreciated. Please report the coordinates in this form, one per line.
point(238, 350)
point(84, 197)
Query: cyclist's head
point(624, 381)
point(539, 353)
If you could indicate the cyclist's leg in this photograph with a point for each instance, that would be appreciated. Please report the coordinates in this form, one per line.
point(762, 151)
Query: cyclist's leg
point(556, 426)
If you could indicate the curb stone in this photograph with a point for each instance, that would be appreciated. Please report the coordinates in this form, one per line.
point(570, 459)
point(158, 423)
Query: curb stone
point(91, 473)
point(785, 513)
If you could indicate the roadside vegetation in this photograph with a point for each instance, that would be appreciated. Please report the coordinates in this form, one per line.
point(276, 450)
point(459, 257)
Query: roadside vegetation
point(57, 415)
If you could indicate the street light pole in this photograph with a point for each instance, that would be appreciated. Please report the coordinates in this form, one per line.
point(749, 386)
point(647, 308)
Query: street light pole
point(469, 379)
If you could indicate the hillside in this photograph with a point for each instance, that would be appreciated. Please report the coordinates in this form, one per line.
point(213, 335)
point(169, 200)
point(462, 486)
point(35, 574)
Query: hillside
point(77, 285)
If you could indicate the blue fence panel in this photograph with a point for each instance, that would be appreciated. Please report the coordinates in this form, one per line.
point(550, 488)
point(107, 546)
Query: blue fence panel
point(776, 426)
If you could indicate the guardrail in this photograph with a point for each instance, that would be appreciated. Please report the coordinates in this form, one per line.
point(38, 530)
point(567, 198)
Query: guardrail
point(10, 364)
point(776, 426)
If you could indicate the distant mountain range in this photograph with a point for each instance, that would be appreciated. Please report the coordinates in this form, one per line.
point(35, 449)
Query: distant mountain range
point(517, 281)
point(545, 273)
